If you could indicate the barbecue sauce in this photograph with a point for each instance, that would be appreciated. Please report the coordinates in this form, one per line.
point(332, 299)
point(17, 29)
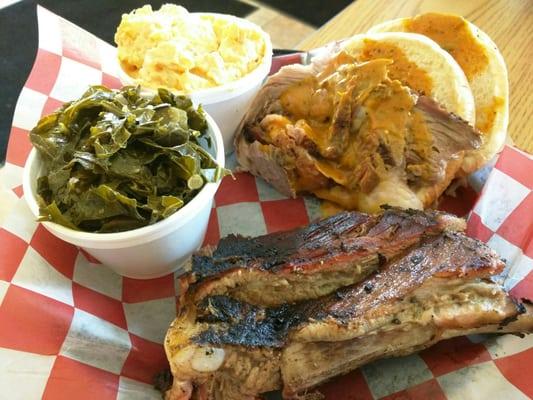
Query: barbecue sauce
point(401, 69)
point(453, 34)
point(485, 116)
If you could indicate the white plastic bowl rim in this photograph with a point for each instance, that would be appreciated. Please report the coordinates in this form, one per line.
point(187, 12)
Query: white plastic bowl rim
point(220, 93)
point(135, 236)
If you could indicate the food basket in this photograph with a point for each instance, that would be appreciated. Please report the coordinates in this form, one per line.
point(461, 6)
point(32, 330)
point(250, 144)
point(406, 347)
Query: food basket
point(72, 329)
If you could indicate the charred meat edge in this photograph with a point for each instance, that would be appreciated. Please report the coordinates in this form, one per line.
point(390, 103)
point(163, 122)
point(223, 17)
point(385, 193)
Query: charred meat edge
point(313, 261)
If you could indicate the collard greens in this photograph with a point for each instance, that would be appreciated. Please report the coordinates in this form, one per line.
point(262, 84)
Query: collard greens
point(118, 161)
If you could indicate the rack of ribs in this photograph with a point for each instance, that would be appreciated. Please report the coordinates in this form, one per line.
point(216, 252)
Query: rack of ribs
point(288, 311)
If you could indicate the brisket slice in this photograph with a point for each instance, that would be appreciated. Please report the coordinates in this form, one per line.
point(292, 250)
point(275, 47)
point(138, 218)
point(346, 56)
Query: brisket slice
point(312, 261)
point(223, 348)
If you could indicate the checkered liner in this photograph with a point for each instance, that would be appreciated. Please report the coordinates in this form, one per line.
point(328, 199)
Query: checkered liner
point(72, 329)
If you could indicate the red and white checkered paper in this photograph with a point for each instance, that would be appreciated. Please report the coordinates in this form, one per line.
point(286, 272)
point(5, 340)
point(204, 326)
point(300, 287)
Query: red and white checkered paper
point(72, 329)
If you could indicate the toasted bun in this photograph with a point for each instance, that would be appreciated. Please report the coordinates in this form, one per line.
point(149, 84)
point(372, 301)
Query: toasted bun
point(489, 83)
point(448, 82)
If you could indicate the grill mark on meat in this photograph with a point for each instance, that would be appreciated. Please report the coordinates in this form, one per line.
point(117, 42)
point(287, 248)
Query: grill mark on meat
point(448, 255)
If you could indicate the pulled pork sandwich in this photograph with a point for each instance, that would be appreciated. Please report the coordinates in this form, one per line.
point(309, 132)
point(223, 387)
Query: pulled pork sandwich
point(383, 118)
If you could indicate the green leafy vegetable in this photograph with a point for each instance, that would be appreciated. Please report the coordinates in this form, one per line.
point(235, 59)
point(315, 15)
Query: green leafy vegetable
point(117, 160)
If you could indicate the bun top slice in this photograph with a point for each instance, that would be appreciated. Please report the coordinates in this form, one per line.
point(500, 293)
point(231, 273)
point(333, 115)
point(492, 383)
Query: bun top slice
point(483, 66)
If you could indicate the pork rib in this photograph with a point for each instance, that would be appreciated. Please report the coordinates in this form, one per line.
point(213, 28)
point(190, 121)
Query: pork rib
point(225, 348)
point(312, 261)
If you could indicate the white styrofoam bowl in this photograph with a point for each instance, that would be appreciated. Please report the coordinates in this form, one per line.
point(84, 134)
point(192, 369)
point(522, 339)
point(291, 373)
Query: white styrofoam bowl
point(227, 103)
point(148, 252)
